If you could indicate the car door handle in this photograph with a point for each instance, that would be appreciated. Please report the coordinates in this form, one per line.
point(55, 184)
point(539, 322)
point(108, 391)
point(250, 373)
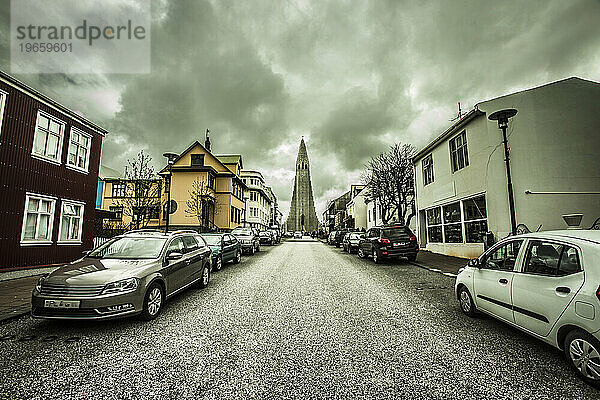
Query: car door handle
point(563, 289)
point(503, 281)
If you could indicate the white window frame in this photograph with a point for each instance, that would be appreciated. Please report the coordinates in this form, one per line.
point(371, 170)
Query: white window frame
point(52, 213)
point(427, 169)
point(81, 133)
point(79, 240)
point(43, 157)
point(463, 148)
point(3, 97)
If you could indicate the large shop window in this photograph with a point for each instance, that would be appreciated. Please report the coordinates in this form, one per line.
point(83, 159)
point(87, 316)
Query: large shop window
point(460, 222)
point(38, 219)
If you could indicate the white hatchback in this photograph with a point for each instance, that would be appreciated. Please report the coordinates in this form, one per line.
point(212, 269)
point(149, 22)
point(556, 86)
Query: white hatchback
point(546, 284)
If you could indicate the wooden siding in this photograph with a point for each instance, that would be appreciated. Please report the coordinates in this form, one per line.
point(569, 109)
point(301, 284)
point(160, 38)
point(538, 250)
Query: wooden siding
point(21, 173)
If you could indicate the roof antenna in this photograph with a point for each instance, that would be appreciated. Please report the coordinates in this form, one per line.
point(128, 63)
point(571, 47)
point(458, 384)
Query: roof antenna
point(207, 140)
point(459, 116)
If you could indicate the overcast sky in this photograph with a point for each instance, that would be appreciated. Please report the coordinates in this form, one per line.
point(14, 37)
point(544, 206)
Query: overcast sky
point(351, 76)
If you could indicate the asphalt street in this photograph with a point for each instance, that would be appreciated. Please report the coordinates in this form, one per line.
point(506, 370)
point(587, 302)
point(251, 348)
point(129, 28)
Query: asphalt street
point(298, 320)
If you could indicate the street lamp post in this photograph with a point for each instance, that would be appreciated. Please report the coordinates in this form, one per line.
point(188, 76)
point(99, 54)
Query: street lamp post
point(170, 160)
point(502, 117)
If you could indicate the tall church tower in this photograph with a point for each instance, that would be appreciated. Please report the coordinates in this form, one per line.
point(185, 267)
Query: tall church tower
point(302, 210)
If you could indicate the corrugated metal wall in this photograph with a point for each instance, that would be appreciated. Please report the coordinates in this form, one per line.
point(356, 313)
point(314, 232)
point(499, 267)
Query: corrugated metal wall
point(21, 173)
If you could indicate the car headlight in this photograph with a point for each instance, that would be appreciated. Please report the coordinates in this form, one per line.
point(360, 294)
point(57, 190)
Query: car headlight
point(124, 286)
point(38, 285)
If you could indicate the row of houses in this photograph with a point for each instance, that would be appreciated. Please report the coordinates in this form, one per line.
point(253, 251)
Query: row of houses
point(208, 192)
point(461, 184)
point(55, 198)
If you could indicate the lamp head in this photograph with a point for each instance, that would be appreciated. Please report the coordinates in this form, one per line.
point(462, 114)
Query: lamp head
point(170, 157)
point(502, 116)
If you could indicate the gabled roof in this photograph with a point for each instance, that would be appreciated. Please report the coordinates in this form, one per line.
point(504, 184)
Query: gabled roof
point(230, 159)
point(190, 147)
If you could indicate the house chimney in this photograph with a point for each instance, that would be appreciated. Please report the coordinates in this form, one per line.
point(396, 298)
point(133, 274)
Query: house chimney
point(207, 141)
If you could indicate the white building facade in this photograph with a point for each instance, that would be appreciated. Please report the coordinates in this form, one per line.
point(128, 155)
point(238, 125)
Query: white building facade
point(554, 142)
point(258, 202)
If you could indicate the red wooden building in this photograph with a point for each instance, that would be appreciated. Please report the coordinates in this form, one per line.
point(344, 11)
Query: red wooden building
point(49, 162)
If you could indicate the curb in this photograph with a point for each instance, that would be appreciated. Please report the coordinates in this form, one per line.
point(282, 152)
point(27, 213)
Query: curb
point(437, 270)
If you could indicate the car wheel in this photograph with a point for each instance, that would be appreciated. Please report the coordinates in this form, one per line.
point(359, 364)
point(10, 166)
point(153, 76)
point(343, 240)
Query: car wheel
point(153, 302)
point(258, 248)
point(218, 264)
point(466, 302)
point(361, 253)
point(204, 276)
point(412, 257)
point(376, 258)
point(583, 353)
point(238, 257)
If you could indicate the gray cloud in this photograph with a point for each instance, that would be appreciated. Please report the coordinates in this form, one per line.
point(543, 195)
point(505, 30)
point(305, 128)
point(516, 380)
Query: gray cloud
point(350, 76)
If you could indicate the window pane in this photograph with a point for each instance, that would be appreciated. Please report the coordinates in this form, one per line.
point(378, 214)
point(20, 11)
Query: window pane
point(39, 143)
point(452, 213)
point(44, 225)
point(435, 234)
point(434, 216)
point(46, 206)
point(542, 258)
point(30, 226)
point(52, 146)
point(74, 234)
point(43, 121)
point(54, 127)
point(72, 153)
point(82, 156)
point(64, 231)
point(475, 231)
point(74, 137)
point(33, 205)
point(504, 257)
point(569, 262)
point(453, 233)
point(475, 208)
point(84, 141)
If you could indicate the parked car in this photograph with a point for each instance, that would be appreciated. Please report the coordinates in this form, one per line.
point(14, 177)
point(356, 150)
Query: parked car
point(249, 239)
point(331, 237)
point(225, 248)
point(389, 241)
point(131, 274)
point(297, 235)
point(338, 237)
point(545, 284)
point(266, 237)
point(352, 241)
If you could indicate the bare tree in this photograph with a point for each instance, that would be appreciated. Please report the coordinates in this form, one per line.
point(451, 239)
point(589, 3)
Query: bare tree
point(141, 200)
point(200, 201)
point(390, 179)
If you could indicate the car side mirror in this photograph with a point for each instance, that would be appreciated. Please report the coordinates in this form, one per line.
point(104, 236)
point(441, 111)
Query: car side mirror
point(175, 255)
point(475, 263)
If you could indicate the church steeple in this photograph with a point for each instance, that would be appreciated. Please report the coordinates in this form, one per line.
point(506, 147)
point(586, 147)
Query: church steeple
point(302, 209)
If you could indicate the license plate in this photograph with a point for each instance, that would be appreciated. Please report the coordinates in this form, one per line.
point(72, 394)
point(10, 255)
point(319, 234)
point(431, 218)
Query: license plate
point(61, 303)
point(399, 244)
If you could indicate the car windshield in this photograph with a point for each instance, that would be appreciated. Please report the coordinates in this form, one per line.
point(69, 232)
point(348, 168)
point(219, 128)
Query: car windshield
point(355, 236)
point(212, 240)
point(394, 232)
point(264, 234)
point(246, 232)
point(130, 248)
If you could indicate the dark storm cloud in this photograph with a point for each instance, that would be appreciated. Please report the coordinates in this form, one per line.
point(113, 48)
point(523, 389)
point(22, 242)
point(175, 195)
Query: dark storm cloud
point(351, 76)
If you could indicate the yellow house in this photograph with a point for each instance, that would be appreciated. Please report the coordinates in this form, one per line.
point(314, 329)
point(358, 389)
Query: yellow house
point(133, 203)
point(207, 189)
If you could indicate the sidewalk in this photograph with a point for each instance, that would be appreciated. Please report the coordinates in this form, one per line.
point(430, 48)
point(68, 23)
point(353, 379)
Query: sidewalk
point(15, 291)
point(441, 263)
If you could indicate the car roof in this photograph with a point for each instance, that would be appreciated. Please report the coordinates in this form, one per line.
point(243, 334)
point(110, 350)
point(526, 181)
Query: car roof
point(157, 233)
point(212, 234)
point(588, 235)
